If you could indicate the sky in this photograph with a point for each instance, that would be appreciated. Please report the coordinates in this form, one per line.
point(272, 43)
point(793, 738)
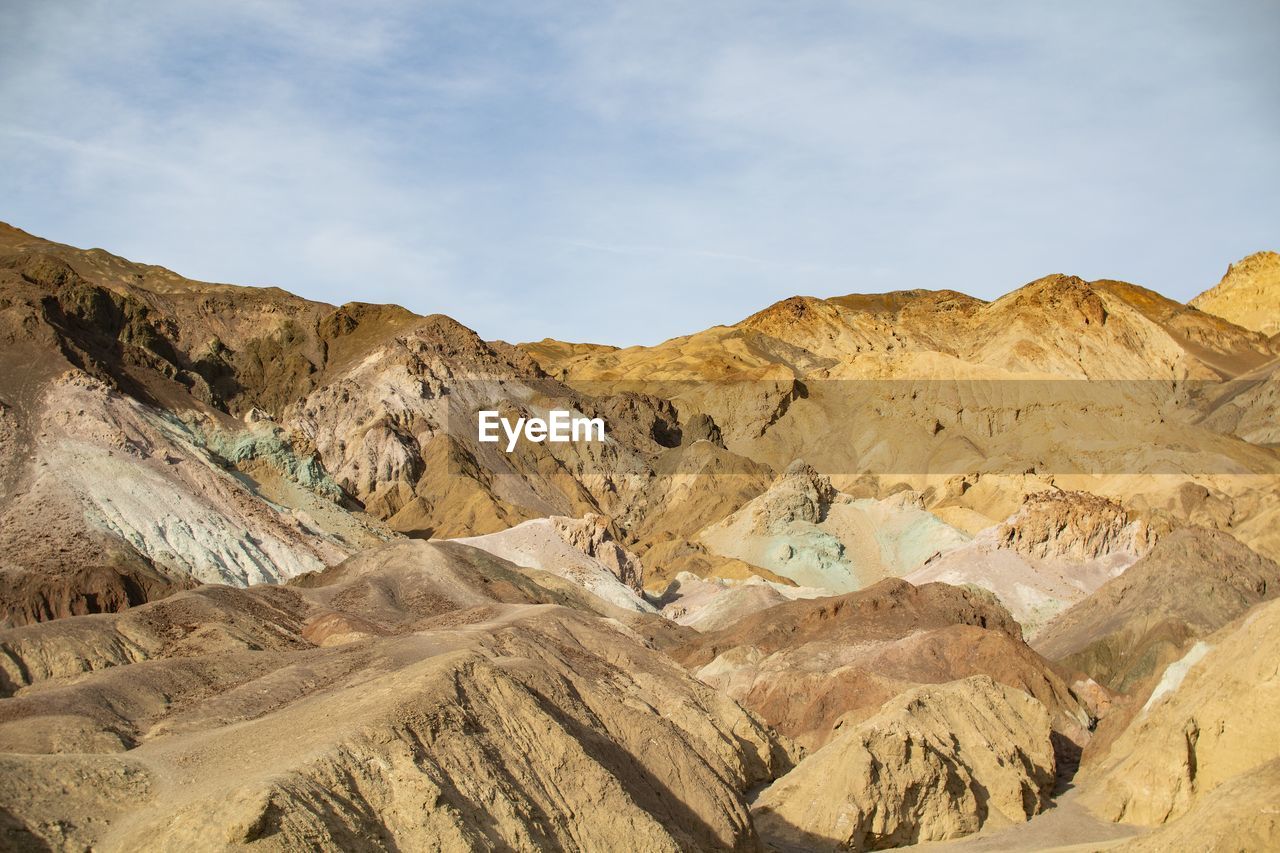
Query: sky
point(625, 172)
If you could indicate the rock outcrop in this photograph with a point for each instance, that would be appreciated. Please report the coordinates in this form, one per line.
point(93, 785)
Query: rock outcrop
point(935, 763)
point(1191, 583)
point(1248, 294)
point(811, 667)
point(1056, 549)
point(1239, 814)
point(1209, 725)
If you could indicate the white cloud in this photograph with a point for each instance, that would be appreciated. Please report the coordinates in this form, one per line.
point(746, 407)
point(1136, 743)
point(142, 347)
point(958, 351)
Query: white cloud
point(630, 171)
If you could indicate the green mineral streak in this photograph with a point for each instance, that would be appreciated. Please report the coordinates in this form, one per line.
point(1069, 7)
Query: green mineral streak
point(267, 443)
point(811, 557)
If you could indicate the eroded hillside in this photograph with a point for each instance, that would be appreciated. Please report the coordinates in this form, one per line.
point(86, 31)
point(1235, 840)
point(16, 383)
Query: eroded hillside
point(861, 571)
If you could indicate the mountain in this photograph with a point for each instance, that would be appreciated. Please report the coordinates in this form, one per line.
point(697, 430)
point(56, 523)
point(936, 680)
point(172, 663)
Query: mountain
point(159, 431)
point(1058, 325)
point(1099, 387)
point(1248, 294)
point(866, 570)
point(286, 434)
point(811, 667)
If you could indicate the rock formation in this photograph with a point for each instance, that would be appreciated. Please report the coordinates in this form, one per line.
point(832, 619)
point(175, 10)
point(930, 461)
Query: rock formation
point(463, 703)
point(1191, 583)
point(1248, 294)
point(1058, 548)
point(262, 584)
point(1239, 814)
point(933, 763)
point(810, 667)
point(1210, 724)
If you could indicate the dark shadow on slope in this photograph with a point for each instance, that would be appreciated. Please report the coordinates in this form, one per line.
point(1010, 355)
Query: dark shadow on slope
point(17, 837)
point(647, 791)
point(1066, 755)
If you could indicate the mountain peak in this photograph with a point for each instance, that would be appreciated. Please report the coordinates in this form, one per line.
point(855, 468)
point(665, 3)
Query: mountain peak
point(1248, 294)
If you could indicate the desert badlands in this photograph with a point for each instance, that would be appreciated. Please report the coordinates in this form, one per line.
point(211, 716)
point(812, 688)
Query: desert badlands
point(893, 570)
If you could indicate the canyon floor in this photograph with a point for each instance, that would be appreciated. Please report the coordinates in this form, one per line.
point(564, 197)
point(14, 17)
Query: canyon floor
point(875, 571)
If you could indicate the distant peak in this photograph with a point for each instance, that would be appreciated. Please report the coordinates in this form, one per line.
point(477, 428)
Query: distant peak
point(790, 310)
point(1258, 260)
point(1248, 293)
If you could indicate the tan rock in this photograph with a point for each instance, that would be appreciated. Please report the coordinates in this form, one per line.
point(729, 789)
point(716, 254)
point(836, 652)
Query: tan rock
point(1248, 294)
point(1240, 814)
point(936, 762)
point(1191, 583)
point(425, 696)
point(1210, 721)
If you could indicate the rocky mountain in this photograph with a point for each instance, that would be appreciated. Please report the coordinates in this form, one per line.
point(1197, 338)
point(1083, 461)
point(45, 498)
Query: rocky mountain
point(932, 764)
point(1248, 294)
point(1190, 584)
point(1058, 326)
point(812, 667)
point(861, 571)
point(1101, 387)
point(418, 695)
point(160, 431)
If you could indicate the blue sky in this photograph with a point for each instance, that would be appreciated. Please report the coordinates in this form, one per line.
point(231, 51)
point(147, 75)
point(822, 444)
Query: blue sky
point(627, 172)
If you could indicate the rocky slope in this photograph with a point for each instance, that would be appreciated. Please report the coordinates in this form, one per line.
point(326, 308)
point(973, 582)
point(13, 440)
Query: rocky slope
point(1209, 724)
point(1238, 814)
point(232, 487)
point(363, 425)
point(1058, 325)
point(1248, 407)
point(1191, 583)
point(812, 667)
point(1248, 294)
point(583, 551)
point(1058, 548)
point(118, 408)
point(421, 695)
point(711, 604)
point(1099, 387)
point(804, 529)
point(934, 763)
point(159, 431)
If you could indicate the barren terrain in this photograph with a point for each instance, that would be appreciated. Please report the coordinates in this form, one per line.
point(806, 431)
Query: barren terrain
point(861, 572)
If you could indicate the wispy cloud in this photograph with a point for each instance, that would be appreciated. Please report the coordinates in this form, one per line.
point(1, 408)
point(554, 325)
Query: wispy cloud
point(676, 251)
point(630, 171)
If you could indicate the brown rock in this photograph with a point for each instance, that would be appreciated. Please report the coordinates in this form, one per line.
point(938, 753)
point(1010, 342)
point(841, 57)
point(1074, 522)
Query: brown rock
point(1191, 583)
